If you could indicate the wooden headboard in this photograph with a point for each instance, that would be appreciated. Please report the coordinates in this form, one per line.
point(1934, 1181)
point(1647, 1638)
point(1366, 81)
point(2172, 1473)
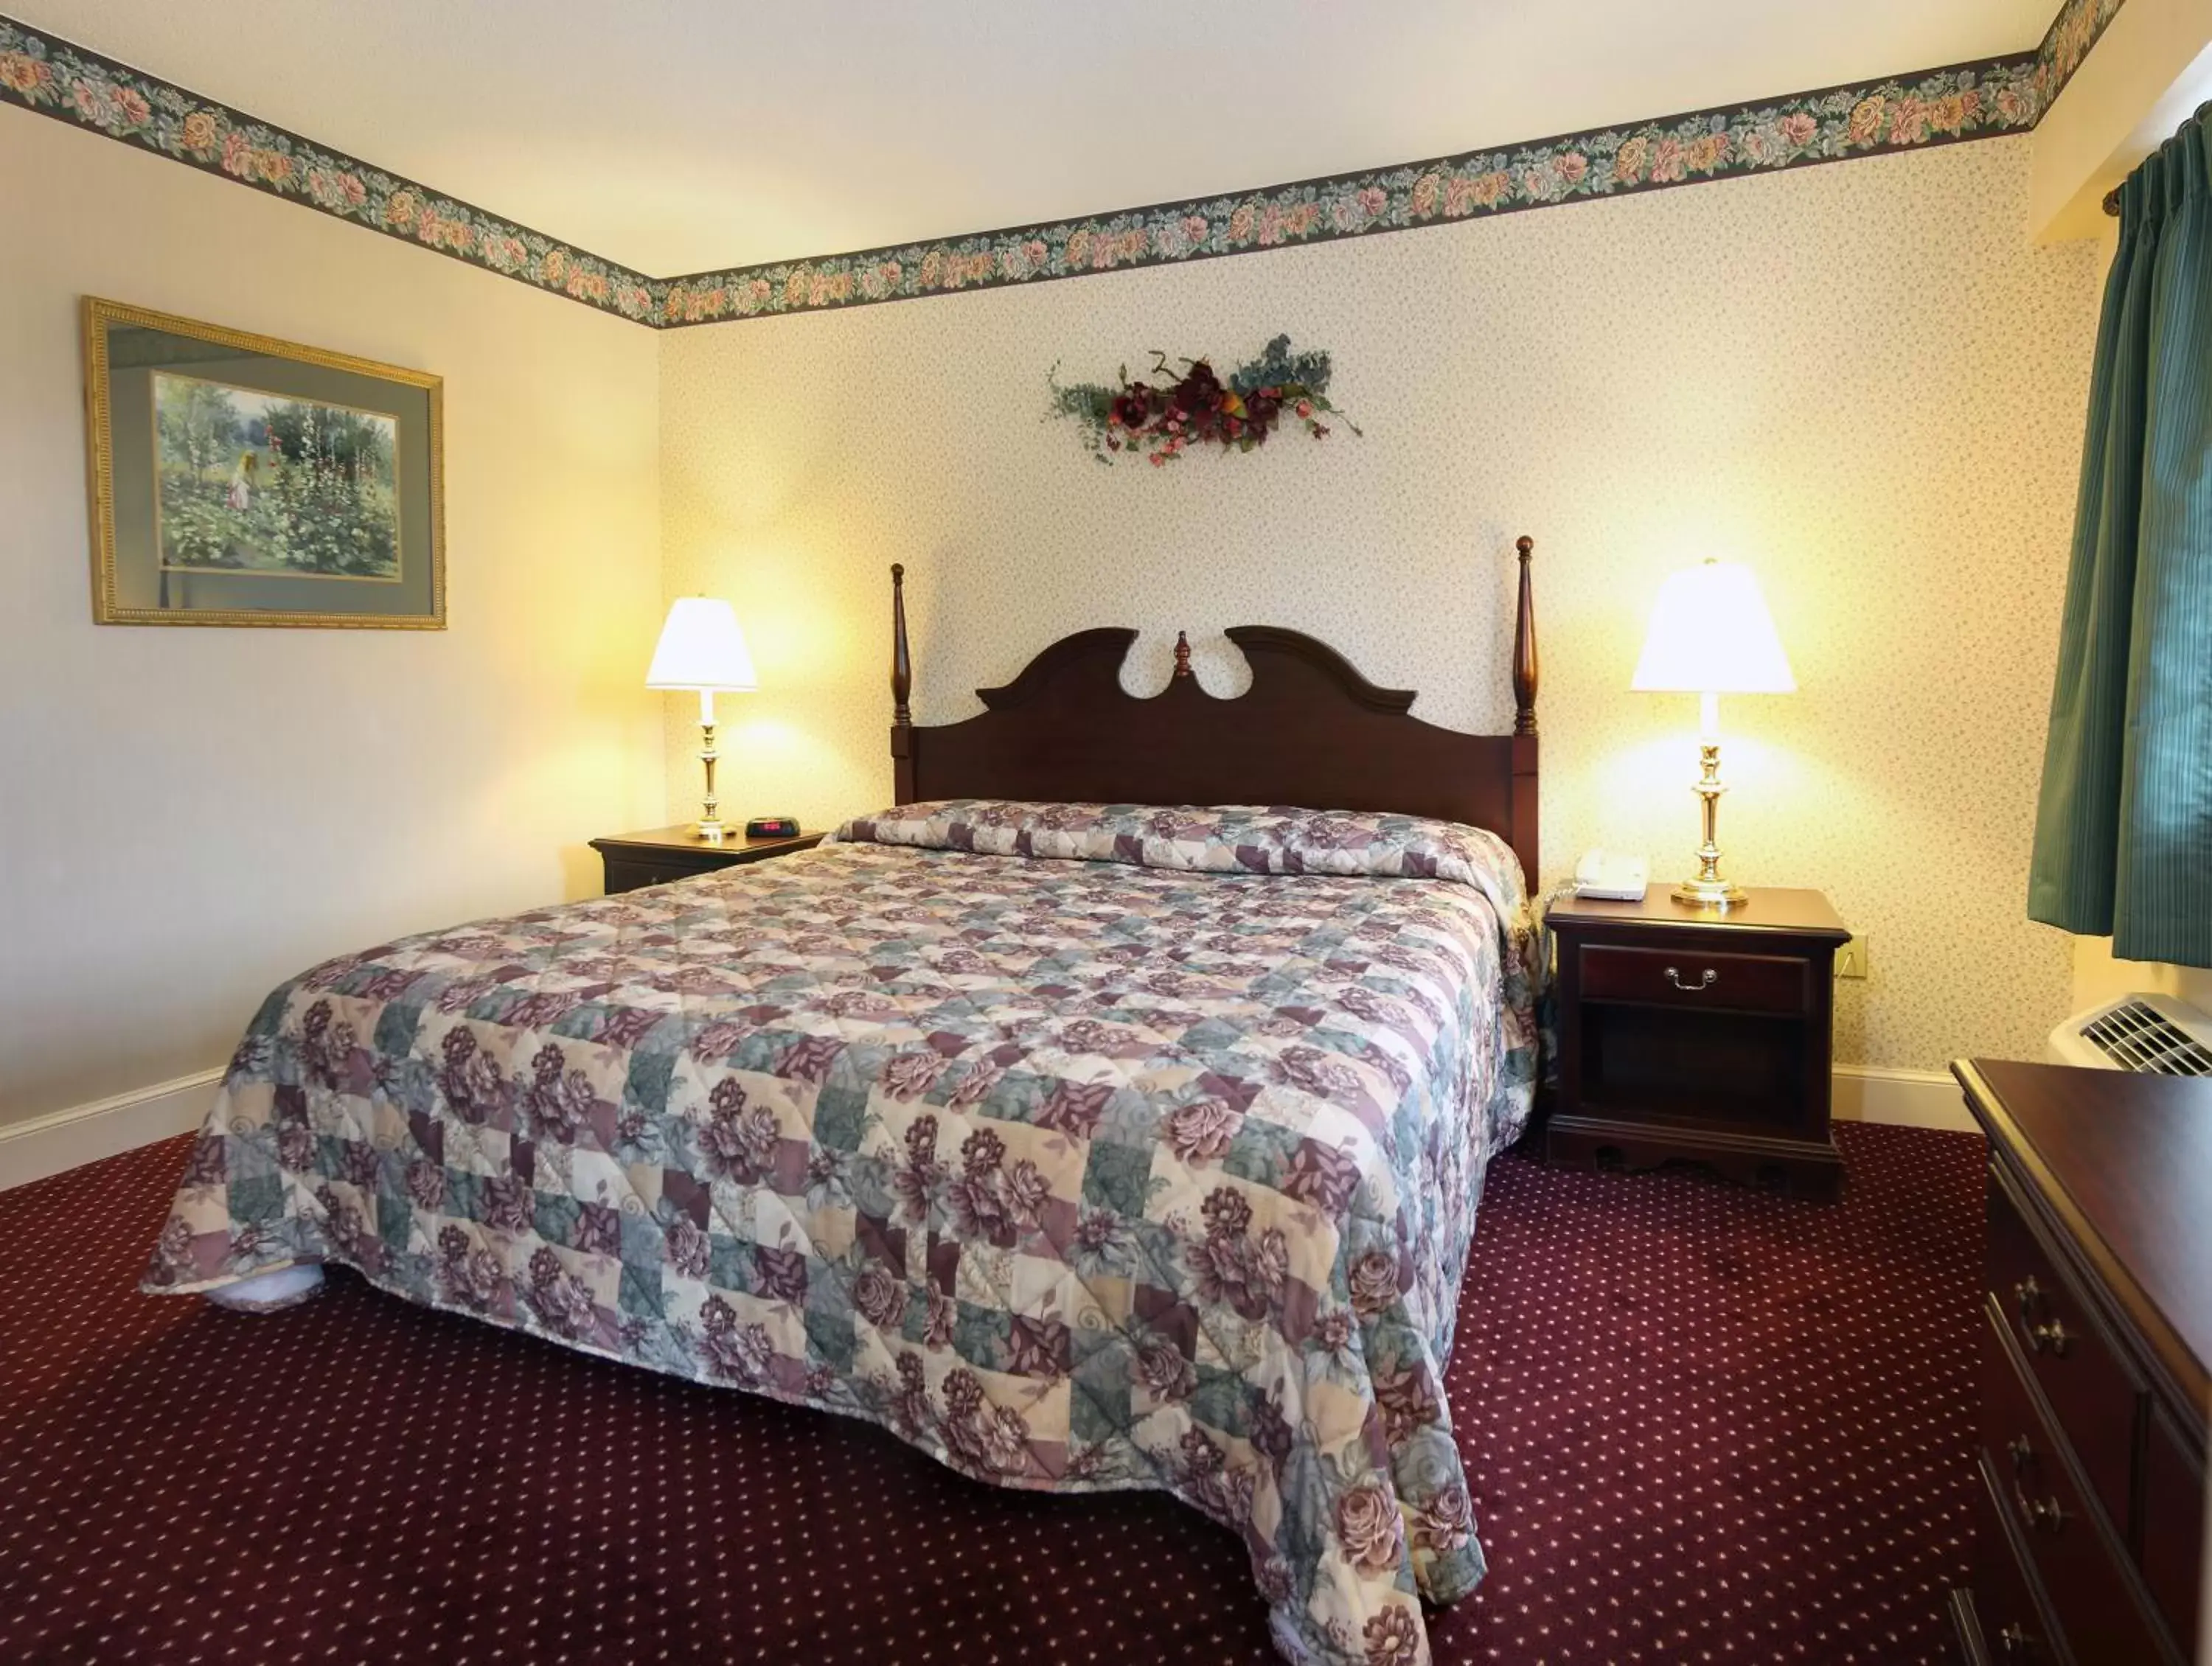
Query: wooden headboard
point(1311, 731)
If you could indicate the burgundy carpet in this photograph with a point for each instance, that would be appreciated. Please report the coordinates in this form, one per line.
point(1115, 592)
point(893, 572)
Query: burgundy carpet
point(1703, 1424)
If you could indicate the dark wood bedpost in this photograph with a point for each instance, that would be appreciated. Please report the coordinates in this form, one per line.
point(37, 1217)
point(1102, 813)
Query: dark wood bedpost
point(902, 689)
point(1525, 647)
point(1524, 813)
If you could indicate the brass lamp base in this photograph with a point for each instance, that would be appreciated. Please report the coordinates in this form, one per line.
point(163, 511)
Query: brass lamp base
point(1710, 893)
point(1708, 889)
point(711, 830)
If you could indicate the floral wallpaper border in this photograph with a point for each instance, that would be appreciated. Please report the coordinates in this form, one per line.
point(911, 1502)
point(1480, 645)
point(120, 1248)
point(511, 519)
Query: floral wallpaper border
point(1977, 101)
point(55, 78)
point(1987, 99)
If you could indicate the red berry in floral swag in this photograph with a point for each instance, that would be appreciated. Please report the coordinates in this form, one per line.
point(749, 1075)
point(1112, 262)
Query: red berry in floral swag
point(1159, 417)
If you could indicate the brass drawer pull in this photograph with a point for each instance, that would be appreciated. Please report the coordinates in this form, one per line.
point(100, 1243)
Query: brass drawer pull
point(2016, 1638)
point(2041, 1515)
point(1674, 977)
point(2027, 1298)
point(2022, 1454)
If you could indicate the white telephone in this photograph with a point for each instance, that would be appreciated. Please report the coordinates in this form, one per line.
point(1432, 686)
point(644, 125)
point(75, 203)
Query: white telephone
point(1609, 874)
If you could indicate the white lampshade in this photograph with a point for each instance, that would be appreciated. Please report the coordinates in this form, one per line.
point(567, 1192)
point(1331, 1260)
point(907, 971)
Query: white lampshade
point(701, 647)
point(1711, 634)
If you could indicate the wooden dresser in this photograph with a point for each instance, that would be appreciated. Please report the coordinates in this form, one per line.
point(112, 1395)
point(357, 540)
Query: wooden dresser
point(2096, 1337)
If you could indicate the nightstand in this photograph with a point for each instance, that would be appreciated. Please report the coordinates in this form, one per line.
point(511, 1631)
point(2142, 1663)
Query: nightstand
point(1689, 1033)
point(665, 853)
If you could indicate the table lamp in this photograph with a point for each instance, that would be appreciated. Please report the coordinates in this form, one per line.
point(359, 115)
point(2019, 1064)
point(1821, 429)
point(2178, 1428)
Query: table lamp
point(701, 647)
point(1712, 635)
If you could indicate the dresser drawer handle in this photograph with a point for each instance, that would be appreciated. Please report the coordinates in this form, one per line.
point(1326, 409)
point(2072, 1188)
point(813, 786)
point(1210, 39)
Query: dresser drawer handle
point(1674, 977)
point(2021, 1453)
point(2042, 1514)
point(2016, 1638)
point(2028, 1297)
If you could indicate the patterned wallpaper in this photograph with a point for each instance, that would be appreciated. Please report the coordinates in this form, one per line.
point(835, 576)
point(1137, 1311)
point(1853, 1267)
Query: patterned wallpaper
point(1989, 99)
point(1864, 380)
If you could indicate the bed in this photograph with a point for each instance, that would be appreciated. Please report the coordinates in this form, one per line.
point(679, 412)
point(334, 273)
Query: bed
point(1101, 1116)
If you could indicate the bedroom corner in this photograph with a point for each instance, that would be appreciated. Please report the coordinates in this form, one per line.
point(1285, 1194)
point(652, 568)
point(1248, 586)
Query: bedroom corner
point(190, 814)
point(898, 833)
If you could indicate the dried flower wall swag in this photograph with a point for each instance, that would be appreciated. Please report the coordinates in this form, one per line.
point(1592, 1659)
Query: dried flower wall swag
point(1161, 417)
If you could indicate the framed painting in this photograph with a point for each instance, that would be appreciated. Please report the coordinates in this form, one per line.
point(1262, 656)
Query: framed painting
point(238, 480)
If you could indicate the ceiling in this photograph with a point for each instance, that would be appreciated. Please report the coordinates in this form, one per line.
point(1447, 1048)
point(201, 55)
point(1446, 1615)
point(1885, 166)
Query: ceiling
point(677, 135)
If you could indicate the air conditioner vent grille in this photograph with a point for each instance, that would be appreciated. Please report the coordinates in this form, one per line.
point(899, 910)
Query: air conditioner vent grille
point(2136, 1037)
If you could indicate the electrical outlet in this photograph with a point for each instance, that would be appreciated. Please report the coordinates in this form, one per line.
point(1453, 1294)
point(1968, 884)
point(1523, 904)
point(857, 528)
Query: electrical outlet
point(1851, 959)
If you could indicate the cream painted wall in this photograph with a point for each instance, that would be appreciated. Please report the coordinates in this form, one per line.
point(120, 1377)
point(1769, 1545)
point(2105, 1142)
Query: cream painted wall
point(1863, 379)
point(2098, 978)
point(2150, 68)
point(188, 816)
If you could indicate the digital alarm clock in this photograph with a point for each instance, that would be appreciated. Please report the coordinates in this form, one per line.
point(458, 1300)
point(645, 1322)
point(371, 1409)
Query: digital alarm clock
point(771, 826)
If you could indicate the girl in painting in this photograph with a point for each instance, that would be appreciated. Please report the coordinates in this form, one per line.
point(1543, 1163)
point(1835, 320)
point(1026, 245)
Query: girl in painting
point(241, 481)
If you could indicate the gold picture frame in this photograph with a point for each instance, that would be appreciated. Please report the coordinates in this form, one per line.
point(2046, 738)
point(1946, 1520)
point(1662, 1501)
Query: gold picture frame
point(343, 528)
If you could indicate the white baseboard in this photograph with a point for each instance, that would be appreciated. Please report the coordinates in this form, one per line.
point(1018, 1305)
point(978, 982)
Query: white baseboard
point(83, 1133)
point(1904, 1098)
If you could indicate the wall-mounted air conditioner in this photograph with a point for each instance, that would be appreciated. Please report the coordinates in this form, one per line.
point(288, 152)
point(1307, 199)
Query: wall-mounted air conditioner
point(2152, 1033)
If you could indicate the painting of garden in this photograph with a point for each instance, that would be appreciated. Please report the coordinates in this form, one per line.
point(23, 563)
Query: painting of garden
point(257, 483)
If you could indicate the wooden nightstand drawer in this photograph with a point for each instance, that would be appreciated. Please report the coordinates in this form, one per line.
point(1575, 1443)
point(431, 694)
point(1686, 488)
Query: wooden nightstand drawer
point(2067, 1543)
point(1696, 977)
point(664, 855)
point(623, 875)
point(2095, 1398)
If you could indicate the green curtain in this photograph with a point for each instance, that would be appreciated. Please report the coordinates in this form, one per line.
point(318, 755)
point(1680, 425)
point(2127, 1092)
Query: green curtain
point(2123, 825)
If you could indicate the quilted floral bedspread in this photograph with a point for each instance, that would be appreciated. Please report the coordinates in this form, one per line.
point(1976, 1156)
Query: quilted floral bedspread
point(1084, 1146)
